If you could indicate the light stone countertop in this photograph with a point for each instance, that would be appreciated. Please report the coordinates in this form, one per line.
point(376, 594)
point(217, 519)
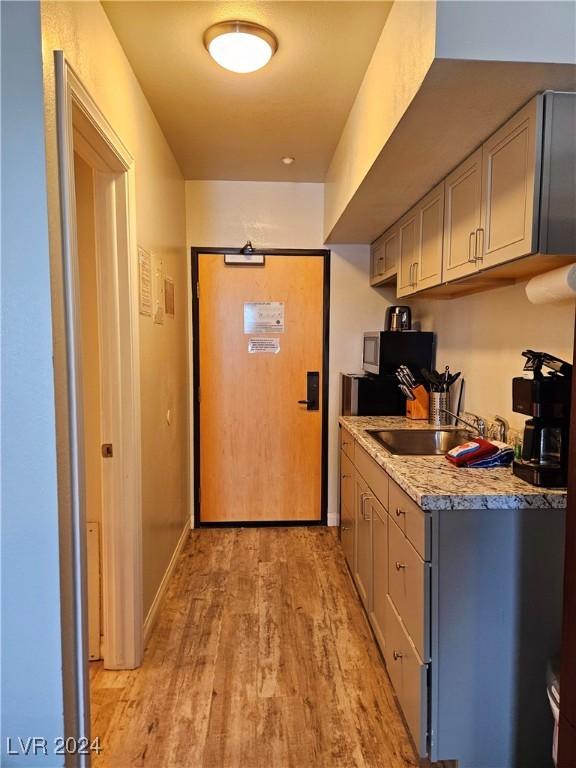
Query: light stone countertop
point(434, 483)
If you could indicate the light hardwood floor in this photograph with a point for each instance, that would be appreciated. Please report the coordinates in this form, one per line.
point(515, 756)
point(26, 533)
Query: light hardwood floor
point(261, 658)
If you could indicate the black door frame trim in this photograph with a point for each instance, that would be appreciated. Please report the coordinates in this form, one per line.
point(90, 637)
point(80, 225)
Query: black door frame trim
point(195, 252)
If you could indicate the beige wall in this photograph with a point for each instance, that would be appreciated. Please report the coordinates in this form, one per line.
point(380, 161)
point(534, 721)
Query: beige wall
point(84, 182)
point(403, 55)
point(285, 215)
point(83, 32)
point(483, 335)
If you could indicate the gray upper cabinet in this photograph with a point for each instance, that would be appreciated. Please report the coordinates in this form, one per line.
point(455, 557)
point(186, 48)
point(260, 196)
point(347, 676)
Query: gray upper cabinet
point(384, 257)
point(431, 220)
point(420, 260)
point(463, 208)
point(513, 198)
point(511, 188)
point(409, 236)
point(558, 177)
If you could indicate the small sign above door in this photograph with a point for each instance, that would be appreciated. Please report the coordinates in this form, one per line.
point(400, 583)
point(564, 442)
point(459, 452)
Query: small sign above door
point(264, 317)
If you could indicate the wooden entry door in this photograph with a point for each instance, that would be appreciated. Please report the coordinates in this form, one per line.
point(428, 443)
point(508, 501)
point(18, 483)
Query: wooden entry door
point(260, 337)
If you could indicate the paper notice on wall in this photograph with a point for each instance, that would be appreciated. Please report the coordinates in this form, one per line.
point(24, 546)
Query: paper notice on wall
point(145, 280)
point(263, 345)
point(264, 317)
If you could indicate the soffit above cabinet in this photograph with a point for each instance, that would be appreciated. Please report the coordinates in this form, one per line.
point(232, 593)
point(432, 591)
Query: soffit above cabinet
point(428, 100)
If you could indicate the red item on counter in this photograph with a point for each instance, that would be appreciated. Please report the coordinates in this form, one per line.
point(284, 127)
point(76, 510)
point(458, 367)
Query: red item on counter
point(475, 449)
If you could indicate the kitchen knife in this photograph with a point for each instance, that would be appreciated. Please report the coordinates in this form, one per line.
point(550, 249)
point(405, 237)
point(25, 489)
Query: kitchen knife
point(401, 376)
point(409, 376)
point(408, 392)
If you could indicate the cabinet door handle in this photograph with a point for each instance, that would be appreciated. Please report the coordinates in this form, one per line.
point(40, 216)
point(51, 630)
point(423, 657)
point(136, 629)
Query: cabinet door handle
point(399, 512)
point(345, 477)
point(346, 527)
point(400, 566)
point(479, 253)
point(415, 279)
point(363, 497)
point(397, 655)
point(472, 259)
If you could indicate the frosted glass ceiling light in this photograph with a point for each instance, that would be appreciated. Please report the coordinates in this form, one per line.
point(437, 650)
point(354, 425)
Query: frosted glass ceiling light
point(240, 46)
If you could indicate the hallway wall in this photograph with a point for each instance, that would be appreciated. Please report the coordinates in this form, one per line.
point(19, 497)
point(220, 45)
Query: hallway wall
point(290, 215)
point(84, 33)
point(31, 646)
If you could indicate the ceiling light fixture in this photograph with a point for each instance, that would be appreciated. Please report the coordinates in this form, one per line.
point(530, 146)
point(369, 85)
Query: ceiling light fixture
point(240, 46)
point(287, 160)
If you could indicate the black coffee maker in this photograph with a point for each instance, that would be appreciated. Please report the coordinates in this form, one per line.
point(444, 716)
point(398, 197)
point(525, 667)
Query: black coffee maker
point(546, 399)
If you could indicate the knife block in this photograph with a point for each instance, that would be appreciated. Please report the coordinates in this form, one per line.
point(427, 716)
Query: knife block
point(419, 408)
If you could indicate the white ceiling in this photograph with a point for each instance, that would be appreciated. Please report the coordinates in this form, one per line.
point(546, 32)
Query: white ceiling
point(223, 125)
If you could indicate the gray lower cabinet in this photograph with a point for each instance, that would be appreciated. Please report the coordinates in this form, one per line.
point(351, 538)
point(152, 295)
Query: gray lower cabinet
point(363, 561)
point(347, 509)
point(466, 608)
point(377, 612)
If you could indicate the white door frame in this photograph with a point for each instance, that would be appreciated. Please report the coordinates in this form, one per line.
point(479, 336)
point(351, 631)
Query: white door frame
point(82, 127)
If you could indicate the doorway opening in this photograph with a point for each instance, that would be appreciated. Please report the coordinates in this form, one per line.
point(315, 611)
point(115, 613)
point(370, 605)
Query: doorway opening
point(100, 272)
point(260, 361)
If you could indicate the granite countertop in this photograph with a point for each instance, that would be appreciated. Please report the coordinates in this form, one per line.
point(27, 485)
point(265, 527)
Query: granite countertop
point(433, 483)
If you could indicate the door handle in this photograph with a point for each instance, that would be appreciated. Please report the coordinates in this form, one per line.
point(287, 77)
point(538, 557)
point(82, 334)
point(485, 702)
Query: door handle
point(312, 401)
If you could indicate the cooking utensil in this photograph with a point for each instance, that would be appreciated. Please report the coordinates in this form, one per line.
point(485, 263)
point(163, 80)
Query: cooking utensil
point(459, 406)
point(433, 378)
point(453, 378)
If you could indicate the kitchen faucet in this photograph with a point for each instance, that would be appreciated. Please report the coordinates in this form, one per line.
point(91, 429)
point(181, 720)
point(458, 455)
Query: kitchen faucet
point(502, 428)
point(479, 425)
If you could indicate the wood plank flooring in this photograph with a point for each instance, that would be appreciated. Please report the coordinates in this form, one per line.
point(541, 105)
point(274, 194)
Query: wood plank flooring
point(261, 658)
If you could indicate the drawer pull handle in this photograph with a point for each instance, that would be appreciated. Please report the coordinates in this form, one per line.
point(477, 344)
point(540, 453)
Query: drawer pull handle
point(397, 655)
point(399, 511)
point(400, 566)
point(346, 528)
point(345, 477)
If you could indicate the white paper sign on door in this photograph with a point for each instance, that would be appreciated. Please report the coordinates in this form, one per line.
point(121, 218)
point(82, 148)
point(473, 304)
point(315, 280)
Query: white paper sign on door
point(264, 317)
point(263, 345)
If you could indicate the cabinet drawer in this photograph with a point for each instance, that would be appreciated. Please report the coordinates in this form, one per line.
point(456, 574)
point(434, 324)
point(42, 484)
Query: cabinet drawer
point(408, 675)
point(373, 474)
point(409, 588)
point(347, 443)
point(411, 519)
point(346, 482)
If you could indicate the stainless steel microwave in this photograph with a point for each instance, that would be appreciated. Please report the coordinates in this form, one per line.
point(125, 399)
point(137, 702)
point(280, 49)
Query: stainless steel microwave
point(384, 351)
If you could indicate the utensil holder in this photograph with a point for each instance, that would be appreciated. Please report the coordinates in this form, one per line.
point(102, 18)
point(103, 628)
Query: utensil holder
point(419, 407)
point(440, 402)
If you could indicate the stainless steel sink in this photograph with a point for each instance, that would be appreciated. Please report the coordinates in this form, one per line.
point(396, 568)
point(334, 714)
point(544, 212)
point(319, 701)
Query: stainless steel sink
point(420, 442)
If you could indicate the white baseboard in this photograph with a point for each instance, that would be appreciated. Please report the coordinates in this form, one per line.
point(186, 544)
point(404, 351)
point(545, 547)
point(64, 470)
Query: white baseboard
point(152, 616)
